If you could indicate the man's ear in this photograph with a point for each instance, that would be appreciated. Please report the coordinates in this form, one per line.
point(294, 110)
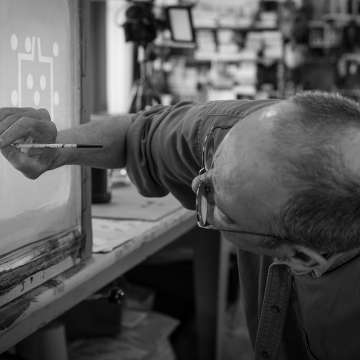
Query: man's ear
point(301, 258)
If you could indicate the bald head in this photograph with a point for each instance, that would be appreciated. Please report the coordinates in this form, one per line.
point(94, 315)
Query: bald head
point(245, 178)
point(293, 168)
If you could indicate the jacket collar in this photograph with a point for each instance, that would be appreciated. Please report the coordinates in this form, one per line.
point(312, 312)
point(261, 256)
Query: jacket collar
point(332, 263)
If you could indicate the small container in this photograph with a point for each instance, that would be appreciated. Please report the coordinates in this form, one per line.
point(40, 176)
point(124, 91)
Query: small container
point(101, 192)
point(99, 315)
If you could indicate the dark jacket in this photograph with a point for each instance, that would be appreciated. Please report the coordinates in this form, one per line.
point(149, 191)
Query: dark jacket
point(290, 316)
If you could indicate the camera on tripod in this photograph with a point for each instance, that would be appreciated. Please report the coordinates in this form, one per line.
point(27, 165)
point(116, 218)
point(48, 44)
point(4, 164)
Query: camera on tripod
point(142, 25)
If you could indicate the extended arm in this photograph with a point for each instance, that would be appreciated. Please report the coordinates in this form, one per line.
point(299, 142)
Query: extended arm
point(160, 147)
point(26, 124)
point(110, 133)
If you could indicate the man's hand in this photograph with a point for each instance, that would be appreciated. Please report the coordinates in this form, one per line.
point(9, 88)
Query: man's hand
point(22, 125)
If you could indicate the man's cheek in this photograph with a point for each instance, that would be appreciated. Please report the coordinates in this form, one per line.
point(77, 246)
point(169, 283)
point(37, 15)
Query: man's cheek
point(237, 239)
point(242, 241)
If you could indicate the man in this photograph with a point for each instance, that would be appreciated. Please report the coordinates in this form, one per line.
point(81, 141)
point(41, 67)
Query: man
point(279, 178)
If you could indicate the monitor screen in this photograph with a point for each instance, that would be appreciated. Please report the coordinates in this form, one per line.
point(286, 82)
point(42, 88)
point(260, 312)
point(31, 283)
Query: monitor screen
point(181, 24)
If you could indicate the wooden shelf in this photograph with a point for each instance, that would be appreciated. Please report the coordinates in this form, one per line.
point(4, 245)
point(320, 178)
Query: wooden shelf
point(217, 56)
point(236, 28)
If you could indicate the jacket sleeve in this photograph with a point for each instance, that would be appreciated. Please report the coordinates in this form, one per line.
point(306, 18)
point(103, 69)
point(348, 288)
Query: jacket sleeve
point(164, 150)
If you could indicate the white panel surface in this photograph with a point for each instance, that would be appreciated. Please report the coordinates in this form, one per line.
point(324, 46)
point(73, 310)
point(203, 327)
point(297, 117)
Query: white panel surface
point(38, 65)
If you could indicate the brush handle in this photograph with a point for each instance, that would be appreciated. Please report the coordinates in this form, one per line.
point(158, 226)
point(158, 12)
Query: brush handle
point(57, 146)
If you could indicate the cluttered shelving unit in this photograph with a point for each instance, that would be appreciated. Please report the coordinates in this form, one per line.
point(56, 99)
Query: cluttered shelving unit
point(329, 55)
point(262, 49)
point(239, 54)
point(240, 59)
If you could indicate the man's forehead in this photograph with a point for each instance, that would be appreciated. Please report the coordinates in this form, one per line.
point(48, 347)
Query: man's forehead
point(254, 131)
point(247, 133)
point(237, 161)
point(243, 170)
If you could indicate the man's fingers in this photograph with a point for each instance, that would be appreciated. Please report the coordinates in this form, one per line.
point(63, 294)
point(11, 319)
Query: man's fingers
point(8, 116)
point(44, 113)
point(28, 166)
point(5, 112)
point(7, 122)
point(16, 123)
point(33, 152)
point(20, 125)
point(11, 154)
point(20, 129)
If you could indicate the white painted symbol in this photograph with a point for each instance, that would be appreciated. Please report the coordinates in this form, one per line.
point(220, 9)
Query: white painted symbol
point(14, 98)
point(28, 44)
point(32, 81)
point(56, 49)
point(13, 42)
point(56, 98)
point(42, 82)
point(36, 98)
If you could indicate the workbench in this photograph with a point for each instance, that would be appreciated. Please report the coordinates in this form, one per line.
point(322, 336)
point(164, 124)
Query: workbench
point(31, 312)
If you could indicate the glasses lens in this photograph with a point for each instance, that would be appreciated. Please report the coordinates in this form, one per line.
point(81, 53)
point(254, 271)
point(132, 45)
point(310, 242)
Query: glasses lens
point(209, 153)
point(202, 206)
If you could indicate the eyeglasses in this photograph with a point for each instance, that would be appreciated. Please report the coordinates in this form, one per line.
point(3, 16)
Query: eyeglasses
point(205, 203)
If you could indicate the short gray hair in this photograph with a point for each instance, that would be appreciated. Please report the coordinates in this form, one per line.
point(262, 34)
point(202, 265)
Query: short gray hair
point(324, 211)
